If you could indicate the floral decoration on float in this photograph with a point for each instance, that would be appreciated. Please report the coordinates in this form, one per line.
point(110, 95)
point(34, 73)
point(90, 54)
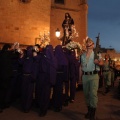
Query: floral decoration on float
point(72, 45)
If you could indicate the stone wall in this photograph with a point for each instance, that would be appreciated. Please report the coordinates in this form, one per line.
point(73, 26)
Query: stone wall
point(22, 22)
point(77, 11)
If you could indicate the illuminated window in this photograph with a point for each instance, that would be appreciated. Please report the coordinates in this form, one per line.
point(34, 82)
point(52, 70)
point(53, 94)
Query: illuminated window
point(59, 1)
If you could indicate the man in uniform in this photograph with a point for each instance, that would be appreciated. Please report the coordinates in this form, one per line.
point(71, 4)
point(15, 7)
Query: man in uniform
point(89, 69)
point(107, 73)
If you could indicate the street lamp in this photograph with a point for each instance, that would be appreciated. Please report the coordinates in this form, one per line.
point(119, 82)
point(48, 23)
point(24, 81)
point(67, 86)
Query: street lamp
point(57, 33)
point(64, 38)
point(68, 35)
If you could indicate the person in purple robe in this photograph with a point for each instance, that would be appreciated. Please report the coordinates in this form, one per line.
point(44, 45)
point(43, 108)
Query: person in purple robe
point(37, 53)
point(46, 79)
point(14, 89)
point(5, 74)
point(62, 76)
point(73, 76)
point(28, 79)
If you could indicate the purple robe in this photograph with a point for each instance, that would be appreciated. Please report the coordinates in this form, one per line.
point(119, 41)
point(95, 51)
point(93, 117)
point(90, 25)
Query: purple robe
point(28, 79)
point(73, 73)
point(62, 76)
point(46, 78)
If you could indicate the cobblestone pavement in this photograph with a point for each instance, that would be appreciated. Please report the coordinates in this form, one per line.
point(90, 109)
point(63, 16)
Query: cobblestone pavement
point(108, 109)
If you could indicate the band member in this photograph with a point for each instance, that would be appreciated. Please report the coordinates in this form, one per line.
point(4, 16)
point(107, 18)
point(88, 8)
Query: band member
point(107, 73)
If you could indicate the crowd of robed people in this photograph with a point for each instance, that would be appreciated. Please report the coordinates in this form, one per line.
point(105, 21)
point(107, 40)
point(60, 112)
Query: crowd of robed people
point(42, 72)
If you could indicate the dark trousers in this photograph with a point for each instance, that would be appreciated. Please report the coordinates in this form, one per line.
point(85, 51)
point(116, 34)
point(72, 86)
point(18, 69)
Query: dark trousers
point(4, 87)
point(27, 92)
point(43, 91)
point(58, 92)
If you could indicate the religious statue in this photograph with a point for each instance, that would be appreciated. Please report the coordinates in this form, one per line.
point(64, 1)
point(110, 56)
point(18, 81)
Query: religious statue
point(67, 28)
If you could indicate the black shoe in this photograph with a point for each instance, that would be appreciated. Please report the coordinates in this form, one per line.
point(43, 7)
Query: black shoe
point(79, 87)
point(65, 103)
point(92, 113)
point(107, 91)
point(87, 115)
point(71, 101)
point(26, 110)
point(42, 113)
point(58, 109)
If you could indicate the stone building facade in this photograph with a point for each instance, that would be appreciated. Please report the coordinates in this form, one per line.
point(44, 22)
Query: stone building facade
point(114, 55)
point(24, 20)
point(78, 10)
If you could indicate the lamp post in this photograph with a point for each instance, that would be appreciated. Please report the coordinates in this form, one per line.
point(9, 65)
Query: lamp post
point(68, 35)
point(64, 38)
point(57, 33)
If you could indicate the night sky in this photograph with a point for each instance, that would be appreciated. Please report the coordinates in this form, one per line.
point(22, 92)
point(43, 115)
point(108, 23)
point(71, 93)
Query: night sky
point(104, 18)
